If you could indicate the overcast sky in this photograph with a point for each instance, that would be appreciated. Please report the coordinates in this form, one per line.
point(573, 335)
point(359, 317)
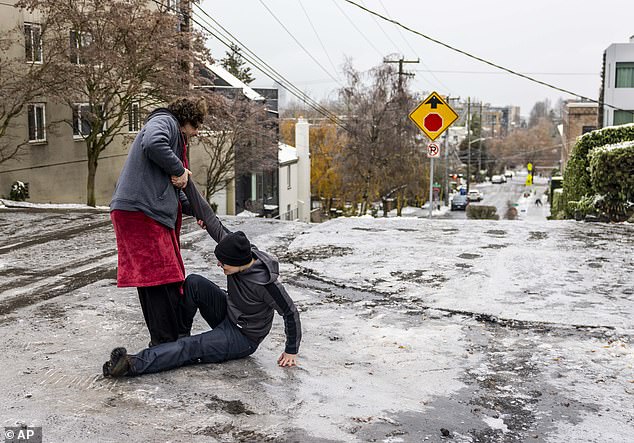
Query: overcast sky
point(559, 42)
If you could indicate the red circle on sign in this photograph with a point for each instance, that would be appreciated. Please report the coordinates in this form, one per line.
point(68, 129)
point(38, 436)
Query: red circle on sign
point(433, 122)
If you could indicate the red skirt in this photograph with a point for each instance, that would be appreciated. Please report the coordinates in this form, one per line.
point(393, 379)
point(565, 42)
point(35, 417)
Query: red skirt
point(149, 252)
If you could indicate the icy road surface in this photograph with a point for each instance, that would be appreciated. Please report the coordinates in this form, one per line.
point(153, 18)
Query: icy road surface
point(414, 330)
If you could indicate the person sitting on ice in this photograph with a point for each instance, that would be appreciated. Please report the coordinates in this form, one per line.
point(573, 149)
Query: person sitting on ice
point(240, 317)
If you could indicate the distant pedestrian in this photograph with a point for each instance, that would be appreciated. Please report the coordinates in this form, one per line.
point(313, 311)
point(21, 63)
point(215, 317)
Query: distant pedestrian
point(240, 317)
point(146, 211)
point(538, 202)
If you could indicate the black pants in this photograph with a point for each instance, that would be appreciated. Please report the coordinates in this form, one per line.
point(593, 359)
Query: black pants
point(223, 342)
point(164, 312)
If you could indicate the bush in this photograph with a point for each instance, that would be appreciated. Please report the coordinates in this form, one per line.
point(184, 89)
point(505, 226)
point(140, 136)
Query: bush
point(582, 208)
point(577, 181)
point(19, 191)
point(557, 205)
point(482, 212)
point(612, 178)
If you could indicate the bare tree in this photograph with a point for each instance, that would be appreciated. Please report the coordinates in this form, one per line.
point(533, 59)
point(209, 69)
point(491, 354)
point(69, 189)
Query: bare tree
point(25, 75)
point(122, 57)
point(241, 138)
point(539, 144)
point(380, 140)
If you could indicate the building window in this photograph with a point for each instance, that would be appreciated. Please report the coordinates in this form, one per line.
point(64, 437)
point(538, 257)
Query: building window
point(83, 117)
point(288, 177)
point(257, 186)
point(624, 75)
point(174, 5)
point(586, 129)
point(623, 117)
point(79, 41)
point(134, 117)
point(33, 42)
point(37, 122)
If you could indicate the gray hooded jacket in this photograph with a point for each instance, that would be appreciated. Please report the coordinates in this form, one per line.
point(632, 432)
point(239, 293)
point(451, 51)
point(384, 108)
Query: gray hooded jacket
point(145, 184)
point(255, 293)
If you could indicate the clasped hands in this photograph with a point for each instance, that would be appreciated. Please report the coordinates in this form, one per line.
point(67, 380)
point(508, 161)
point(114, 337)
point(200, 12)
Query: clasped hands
point(181, 181)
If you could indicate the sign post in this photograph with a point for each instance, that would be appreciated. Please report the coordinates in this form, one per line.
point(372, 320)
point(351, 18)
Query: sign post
point(529, 177)
point(433, 116)
point(433, 151)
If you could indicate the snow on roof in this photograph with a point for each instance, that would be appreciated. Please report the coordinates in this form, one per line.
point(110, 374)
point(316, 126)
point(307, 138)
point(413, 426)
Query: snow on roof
point(582, 105)
point(286, 154)
point(235, 82)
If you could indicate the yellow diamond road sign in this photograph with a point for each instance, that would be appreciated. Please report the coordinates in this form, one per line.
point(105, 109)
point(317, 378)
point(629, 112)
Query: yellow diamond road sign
point(433, 116)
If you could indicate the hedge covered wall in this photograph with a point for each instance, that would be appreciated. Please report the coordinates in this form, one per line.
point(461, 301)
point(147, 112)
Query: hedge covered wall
point(612, 178)
point(611, 166)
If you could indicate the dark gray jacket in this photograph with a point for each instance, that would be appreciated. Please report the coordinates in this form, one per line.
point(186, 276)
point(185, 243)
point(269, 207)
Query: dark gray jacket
point(254, 293)
point(145, 181)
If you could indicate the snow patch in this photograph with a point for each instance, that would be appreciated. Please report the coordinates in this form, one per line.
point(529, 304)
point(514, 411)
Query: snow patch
point(496, 423)
point(622, 145)
point(4, 203)
point(248, 214)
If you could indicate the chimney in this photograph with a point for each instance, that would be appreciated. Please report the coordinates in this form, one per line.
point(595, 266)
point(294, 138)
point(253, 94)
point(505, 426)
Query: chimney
point(303, 168)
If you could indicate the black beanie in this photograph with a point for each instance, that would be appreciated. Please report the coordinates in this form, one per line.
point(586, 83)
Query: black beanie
point(234, 250)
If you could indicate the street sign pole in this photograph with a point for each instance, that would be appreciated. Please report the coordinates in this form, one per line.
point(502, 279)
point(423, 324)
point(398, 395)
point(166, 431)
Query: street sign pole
point(433, 116)
point(431, 186)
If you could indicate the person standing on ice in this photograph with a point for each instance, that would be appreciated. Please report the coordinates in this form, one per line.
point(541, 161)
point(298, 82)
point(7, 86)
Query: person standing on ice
point(146, 212)
point(240, 318)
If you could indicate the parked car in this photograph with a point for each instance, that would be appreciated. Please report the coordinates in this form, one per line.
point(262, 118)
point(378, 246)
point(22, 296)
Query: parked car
point(459, 202)
point(508, 174)
point(474, 195)
point(498, 179)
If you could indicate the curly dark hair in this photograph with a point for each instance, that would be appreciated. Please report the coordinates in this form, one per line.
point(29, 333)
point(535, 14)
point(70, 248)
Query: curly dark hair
point(189, 110)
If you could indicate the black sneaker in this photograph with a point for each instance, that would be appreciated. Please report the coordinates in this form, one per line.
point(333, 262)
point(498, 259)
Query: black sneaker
point(118, 365)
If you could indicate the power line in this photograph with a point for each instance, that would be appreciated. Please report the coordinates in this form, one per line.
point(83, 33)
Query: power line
point(383, 31)
point(317, 35)
point(440, 82)
point(298, 42)
point(505, 73)
point(357, 28)
point(260, 64)
point(264, 67)
point(251, 57)
point(475, 57)
point(288, 86)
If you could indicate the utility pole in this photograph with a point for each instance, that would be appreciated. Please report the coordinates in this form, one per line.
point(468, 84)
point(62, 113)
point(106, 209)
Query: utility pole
point(468, 143)
point(480, 144)
point(402, 73)
point(446, 149)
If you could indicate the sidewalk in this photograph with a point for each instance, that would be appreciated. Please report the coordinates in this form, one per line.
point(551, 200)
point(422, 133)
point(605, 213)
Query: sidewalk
point(411, 211)
point(528, 210)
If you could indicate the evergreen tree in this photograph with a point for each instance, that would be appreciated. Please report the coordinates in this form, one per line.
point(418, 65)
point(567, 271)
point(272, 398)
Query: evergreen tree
point(234, 63)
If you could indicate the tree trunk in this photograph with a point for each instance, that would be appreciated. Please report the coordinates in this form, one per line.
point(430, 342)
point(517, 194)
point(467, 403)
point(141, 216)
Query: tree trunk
point(92, 172)
point(365, 202)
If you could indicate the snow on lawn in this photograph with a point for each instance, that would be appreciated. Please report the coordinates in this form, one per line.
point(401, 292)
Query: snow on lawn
point(16, 204)
point(562, 272)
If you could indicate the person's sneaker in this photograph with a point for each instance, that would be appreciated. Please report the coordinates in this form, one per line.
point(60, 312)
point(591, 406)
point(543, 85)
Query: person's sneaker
point(118, 365)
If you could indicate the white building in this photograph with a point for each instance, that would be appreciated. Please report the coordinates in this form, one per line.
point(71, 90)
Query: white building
point(618, 84)
point(294, 178)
